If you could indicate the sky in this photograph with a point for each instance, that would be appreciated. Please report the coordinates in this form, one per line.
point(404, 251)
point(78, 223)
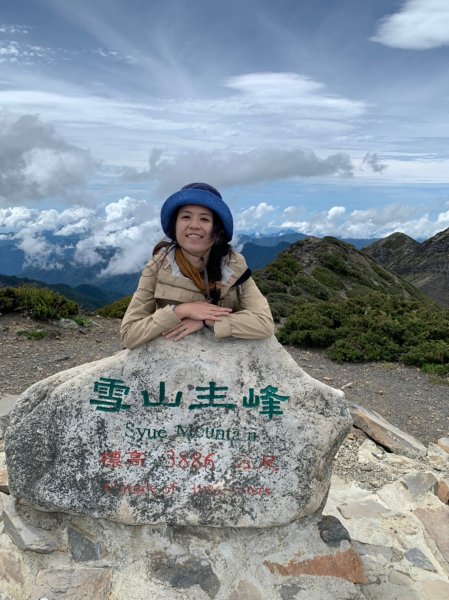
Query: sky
point(327, 117)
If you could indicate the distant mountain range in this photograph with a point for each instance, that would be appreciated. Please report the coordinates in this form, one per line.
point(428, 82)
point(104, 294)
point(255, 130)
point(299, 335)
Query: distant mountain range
point(258, 251)
point(424, 264)
point(291, 265)
point(87, 296)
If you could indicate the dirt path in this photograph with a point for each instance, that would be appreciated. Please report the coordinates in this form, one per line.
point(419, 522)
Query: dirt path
point(403, 395)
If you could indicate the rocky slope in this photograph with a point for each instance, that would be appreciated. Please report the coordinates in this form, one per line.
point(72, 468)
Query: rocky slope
point(425, 264)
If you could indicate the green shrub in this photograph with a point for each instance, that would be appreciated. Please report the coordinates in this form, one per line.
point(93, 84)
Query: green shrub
point(428, 351)
point(310, 286)
point(327, 278)
point(116, 310)
point(363, 347)
point(372, 328)
point(439, 370)
point(39, 303)
point(334, 263)
point(310, 325)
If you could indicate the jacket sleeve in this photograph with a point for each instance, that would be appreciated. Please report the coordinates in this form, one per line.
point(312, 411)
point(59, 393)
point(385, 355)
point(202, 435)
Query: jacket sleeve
point(143, 321)
point(253, 321)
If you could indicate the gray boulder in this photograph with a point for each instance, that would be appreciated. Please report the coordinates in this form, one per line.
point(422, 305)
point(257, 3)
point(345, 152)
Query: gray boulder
point(199, 432)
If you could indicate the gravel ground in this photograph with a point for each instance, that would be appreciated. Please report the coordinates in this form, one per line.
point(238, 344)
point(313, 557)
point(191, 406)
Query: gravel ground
point(413, 401)
point(24, 361)
point(406, 397)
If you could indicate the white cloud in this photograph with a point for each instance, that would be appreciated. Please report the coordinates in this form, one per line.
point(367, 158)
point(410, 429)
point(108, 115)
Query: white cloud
point(17, 217)
point(40, 253)
point(230, 168)
point(372, 222)
point(14, 29)
point(245, 219)
point(280, 90)
point(385, 216)
point(129, 228)
point(419, 25)
point(35, 162)
point(13, 51)
point(335, 212)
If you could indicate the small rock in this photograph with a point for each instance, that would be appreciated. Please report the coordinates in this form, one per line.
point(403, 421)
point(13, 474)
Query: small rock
point(436, 522)
point(385, 433)
point(10, 568)
point(367, 451)
point(67, 324)
point(346, 564)
point(437, 457)
point(82, 547)
point(24, 535)
point(417, 558)
point(183, 572)
point(419, 483)
point(332, 532)
point(72, 584)
point(363, 509)
point(444, 443)
point(246, 591)
point(398, 578)
point(443, 491)
point(4, 487)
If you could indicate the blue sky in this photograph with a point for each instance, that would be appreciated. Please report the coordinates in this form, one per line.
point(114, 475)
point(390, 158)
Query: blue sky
point(327, 117)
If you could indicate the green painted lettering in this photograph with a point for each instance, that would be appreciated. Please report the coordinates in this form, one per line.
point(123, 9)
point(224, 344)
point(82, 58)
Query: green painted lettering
point(141, 432)
point(129, 430)
point(184, 431)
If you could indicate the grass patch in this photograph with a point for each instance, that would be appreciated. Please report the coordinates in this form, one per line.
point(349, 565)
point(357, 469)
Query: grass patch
point(81, 321)
point(30, 334)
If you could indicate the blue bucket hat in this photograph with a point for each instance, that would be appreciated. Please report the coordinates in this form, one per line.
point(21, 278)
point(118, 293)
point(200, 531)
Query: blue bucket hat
point(200, 194)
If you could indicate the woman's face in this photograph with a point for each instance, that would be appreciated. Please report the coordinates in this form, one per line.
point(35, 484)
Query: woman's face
point(194, 225)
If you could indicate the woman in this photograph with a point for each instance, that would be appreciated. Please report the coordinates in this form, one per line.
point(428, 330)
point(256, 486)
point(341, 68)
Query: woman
point(197, 280)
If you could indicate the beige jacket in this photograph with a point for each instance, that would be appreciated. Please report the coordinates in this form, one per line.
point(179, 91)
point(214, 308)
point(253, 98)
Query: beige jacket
point(162, 284)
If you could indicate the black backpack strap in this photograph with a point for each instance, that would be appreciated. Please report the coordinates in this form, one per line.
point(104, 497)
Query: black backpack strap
point(246, 275)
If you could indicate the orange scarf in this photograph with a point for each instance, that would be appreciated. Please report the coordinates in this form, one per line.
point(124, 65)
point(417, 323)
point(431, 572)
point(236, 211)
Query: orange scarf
point(188, 270)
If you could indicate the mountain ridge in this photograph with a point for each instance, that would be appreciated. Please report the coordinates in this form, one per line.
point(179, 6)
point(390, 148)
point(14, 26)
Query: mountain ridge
point(423, 264)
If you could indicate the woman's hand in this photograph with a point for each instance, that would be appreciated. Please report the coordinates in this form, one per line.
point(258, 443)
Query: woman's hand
point(201, 311)
point(186, 327)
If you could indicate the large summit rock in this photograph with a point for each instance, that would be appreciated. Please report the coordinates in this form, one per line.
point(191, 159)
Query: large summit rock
point(200, 432)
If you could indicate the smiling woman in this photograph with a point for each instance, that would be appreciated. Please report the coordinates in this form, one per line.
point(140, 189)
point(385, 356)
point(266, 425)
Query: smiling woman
point(196, 280)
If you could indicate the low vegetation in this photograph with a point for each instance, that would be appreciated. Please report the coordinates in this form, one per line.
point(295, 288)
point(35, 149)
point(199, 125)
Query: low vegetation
point(329, 270)
point(116, 310)
point(38, 303)
point(374, 327)
point(33, 334)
